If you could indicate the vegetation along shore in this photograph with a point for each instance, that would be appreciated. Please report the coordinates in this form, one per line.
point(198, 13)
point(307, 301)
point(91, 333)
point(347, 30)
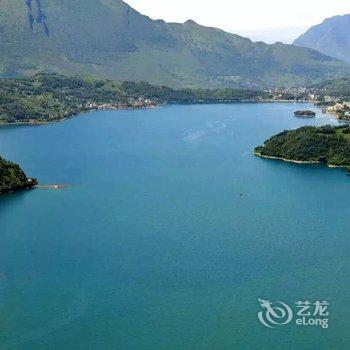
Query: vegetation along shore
point(46, 98)
point(49, 97)
point(13, 178)
point(326, 144)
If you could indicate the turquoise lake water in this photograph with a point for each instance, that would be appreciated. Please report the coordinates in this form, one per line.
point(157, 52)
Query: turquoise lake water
point(170, 232)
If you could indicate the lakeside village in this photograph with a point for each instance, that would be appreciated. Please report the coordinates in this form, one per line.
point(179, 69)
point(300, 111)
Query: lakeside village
point(329, 104)
point(340, 109)
point(49, 98)
point(337, 105)
point(132, 103)
point(321, 98)
point(88, 106)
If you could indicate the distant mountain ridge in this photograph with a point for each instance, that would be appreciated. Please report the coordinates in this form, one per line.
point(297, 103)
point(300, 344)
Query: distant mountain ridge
point(331, 37)
point(109, 39)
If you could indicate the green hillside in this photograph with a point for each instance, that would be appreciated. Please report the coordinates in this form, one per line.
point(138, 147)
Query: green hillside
point(337, 87)
point(108, 39)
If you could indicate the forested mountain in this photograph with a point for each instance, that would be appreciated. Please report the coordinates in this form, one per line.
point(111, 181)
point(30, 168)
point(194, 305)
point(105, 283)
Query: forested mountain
point(108, 39)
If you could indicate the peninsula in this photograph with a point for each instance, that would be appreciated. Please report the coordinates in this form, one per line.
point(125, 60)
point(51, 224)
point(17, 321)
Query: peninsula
point(326, 144)
point(13, 178)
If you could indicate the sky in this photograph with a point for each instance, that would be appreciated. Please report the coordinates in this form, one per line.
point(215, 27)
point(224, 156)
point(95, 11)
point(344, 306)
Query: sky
point(266, 20)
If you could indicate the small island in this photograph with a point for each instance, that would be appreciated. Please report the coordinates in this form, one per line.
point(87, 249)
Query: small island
point(305, 114)
point(13, 178)
point(326, 144)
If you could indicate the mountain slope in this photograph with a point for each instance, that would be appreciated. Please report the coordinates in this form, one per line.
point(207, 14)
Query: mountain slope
point(337, 87)
point(108, 39)
point(332, 37)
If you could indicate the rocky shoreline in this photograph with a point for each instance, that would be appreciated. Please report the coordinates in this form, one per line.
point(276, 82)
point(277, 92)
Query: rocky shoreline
point(302, 162)
point(258, 154)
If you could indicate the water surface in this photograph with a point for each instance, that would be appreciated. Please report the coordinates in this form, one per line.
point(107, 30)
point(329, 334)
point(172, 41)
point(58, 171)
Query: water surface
point(169, 233)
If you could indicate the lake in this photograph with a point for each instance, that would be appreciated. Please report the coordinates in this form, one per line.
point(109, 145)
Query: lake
point(170, 232)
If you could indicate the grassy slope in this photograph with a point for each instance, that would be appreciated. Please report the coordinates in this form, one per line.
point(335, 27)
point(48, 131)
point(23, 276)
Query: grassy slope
point(108, 39)
point(337, 87)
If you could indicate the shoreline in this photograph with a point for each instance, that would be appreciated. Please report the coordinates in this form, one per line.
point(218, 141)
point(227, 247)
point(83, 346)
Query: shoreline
point(286, 160)
point(305, 162)
point(32, 122)
point(338, 117)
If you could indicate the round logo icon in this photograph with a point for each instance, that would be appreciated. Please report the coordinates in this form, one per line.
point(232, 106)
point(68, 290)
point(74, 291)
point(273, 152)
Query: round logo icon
point(274, 314)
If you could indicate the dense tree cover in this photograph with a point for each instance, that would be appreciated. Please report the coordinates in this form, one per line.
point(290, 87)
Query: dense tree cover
point(326, 144)
point(12, 178)
point(48, 97)
point(166, 94)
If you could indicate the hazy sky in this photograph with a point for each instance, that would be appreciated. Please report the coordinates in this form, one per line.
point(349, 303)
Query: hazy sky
point(268, 20)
